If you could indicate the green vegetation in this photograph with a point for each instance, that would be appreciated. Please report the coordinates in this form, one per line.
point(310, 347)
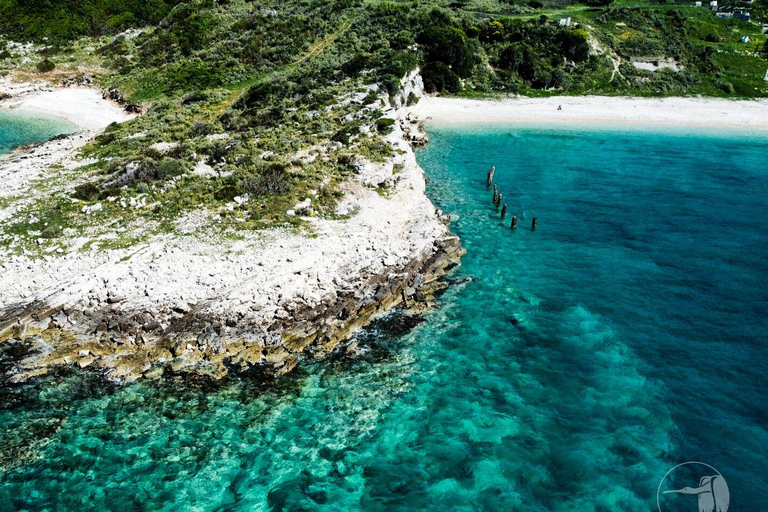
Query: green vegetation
point(45, 66)
point(63, 19)
point(242, 91)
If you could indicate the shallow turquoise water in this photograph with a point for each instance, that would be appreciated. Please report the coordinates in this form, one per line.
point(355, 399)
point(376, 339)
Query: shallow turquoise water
point(18, 129)
point(568, 368)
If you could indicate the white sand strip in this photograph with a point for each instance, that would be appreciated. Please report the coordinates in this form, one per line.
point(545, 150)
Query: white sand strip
point(749, 115)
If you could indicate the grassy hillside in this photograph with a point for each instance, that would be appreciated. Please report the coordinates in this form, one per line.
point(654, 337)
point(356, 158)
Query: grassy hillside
point(63, 19)
point(246, 87)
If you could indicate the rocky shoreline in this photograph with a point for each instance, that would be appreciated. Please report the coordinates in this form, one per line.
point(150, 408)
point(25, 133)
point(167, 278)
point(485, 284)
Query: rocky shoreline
point(131, 345)
point(182, 304)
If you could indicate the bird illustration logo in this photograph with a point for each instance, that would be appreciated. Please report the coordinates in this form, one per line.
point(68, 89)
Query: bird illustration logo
point(712, 492)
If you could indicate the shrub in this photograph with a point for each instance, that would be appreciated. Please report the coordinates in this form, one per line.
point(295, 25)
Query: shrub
point(724, 86)
point(519, 58)
point(51, 232)
point(341, 136)
point(45, 66)
point(385, 124)
point(391, 84)
point(169, 168)
point(450, 46)
point(87, 191)
point(439, 77)
point(271, 180)
point(575, 44)
point(194, 97)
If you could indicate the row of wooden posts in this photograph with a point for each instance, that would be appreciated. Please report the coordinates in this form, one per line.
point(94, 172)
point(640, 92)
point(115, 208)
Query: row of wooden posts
point(497, 198)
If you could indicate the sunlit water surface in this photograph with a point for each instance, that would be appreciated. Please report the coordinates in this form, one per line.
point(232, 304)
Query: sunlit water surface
point(567, 368)
point(19, 128)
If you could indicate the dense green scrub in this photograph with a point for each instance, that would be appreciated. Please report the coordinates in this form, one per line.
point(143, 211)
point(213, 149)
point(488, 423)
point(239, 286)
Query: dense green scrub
point(246, 86)
point(62, 19)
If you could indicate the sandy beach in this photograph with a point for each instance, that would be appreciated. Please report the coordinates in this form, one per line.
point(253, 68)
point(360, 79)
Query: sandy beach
point(598, 110)
point(81, 106)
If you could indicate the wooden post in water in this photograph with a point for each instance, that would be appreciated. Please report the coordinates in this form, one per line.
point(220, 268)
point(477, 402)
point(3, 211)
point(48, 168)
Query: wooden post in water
point(514, 222)
point(495, 193)
point(504, 211)
point(498, 200)
point(533, 224)
point(490, 175)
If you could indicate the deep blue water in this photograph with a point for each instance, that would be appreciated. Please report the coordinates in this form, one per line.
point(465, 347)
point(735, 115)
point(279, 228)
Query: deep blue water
point(18, 129)
point(567, 369)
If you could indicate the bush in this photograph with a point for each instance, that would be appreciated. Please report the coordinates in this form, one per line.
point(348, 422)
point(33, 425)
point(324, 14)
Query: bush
point(87, 191)
point(194, 97)
point(169, 168)
point(450, 46)
point(439, 77)
point(385, 124)
point(519, 58)
point(391, 84)
point(271, 180)
point(575, 44)
point(724, 86)
point(341, 136)
point(45, 66)
point(51, 232)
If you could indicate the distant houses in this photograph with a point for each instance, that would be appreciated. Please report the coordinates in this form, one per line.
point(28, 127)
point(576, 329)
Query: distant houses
point(742, 15)
point(738, 13)
point(565, 22)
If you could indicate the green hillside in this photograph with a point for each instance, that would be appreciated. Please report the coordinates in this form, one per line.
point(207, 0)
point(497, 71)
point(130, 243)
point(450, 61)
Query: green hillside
point(270, 75)
point(64, 19)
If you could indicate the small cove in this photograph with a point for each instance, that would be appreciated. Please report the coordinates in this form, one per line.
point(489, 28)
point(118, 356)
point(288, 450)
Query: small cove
point(22, 128)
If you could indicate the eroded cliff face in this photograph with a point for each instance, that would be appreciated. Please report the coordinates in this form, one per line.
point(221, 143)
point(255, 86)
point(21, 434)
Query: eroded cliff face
point(201, 307)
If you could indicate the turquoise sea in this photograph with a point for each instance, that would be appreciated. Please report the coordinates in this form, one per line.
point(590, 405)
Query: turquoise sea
point(567, 368)
point(18, 129)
